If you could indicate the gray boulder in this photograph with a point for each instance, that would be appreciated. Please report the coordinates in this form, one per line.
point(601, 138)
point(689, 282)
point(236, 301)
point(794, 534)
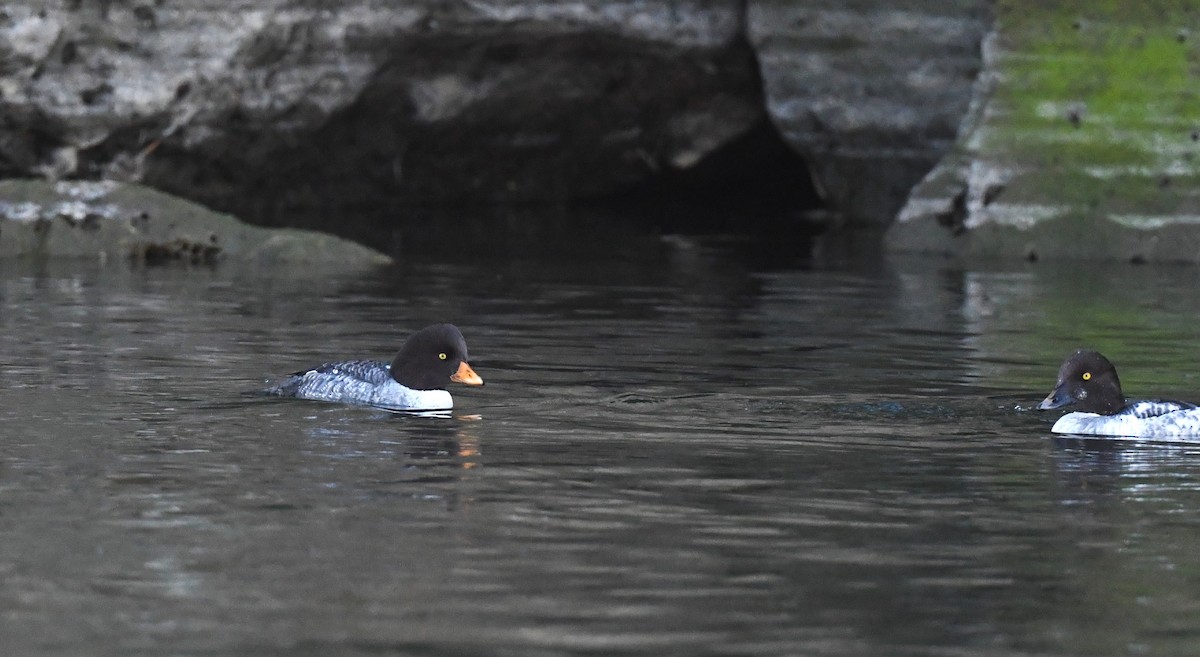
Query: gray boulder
point(111, 221)
point(282, 109)
point(317, 104)
point(871, 93)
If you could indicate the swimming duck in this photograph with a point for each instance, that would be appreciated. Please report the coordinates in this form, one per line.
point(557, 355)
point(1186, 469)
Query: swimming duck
point(415, 380)
point(1088, 382)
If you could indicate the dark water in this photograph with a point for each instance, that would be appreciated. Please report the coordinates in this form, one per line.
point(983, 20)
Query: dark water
point(676, 452)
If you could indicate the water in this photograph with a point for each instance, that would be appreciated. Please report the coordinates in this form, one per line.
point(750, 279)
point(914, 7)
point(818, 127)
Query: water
point(676, 452)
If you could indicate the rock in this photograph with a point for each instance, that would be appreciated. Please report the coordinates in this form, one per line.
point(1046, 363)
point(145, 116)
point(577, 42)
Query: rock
point(1082, 143)
point(276, 108)
point(112, 220)
point(871, 94)
point(281, 109)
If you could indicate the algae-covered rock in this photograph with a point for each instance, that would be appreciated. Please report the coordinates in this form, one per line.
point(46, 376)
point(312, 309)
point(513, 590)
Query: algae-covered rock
point(121, 220)
point(1082, 142)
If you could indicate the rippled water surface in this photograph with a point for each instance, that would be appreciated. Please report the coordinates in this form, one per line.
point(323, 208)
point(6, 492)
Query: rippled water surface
point(677, 452)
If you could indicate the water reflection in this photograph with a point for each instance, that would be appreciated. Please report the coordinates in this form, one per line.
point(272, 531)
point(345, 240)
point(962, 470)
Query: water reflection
point(1126, 468)
point(1140, 317)
point(677, 451)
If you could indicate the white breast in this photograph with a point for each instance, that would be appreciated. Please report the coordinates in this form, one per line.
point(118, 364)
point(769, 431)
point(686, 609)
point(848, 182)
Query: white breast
point(338, 387)
point(1176, 425)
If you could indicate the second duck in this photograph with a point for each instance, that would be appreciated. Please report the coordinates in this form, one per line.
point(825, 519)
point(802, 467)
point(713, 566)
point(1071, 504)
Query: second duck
point(1088, 384)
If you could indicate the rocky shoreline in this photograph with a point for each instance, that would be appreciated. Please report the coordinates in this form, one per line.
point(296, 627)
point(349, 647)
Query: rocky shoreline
point(972, 129)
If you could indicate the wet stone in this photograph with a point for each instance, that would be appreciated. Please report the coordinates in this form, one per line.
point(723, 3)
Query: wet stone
point(126, 221)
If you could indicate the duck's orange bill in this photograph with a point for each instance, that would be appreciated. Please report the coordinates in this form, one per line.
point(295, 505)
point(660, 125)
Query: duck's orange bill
point(466, 375)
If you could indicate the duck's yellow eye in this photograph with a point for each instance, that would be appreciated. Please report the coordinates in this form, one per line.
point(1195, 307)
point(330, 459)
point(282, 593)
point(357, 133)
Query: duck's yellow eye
point(1087, 376)
point(442, 356)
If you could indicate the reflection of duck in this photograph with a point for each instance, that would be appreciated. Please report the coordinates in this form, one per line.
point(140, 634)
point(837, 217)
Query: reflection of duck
point(461, 449)
point(414, 381)
point(1088, 381)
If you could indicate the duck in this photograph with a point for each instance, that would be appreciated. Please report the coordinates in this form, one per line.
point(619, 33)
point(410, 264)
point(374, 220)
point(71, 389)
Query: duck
point(1088, 384)
point(415, 380)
